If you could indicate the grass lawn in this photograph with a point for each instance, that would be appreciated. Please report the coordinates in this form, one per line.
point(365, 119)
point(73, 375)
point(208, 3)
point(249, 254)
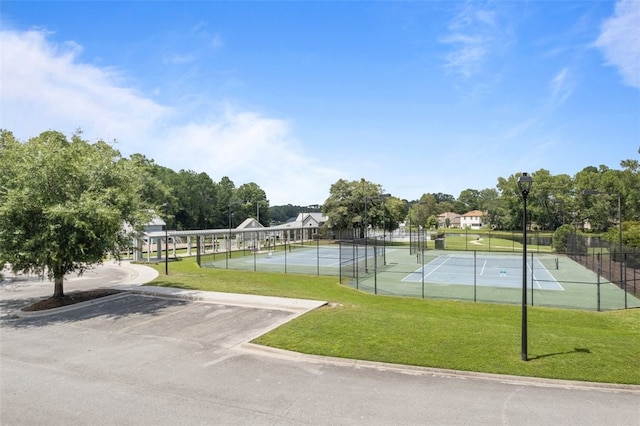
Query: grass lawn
point(563, 344)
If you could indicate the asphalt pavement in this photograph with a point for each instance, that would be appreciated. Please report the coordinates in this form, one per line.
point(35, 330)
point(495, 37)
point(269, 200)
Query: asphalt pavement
point(166, 356)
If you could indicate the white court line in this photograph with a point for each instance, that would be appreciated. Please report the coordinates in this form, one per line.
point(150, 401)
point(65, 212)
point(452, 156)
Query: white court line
point(537, 282)
point(434, 269)
point(483, 266)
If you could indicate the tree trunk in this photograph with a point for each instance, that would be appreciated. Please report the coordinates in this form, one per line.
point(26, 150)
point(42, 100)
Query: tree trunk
point(58, 291)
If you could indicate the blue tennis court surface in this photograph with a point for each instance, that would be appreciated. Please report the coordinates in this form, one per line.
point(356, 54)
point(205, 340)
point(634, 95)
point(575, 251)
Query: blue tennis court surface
point(485, 270)
point(303, 256)
point(312, 255)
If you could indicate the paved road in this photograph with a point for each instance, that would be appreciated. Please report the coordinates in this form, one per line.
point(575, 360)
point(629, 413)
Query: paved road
point(173, 357)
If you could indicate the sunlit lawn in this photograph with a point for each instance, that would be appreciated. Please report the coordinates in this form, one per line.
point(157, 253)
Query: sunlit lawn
point(563, 344)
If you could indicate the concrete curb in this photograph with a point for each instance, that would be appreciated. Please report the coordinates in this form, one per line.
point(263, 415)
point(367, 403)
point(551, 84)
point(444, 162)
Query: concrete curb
point(297, 306)
point(19, 313)
point(436, 372)
point(143, 273)
point(232, 299)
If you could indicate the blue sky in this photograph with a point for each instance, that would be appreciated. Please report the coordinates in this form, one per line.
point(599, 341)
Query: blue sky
point(419, 97)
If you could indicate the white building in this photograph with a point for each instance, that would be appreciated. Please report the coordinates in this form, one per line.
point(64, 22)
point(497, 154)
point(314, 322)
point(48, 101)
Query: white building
point(472, 219)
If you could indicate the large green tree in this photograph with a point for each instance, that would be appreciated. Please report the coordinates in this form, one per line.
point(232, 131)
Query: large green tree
point(63, 204)
point(254, 202)
point(357, 205)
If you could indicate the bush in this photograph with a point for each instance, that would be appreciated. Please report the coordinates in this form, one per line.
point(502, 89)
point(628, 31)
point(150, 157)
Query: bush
point(559, 243)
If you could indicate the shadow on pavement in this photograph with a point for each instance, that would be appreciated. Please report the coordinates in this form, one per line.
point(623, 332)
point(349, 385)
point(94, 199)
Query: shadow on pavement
point(111, 307)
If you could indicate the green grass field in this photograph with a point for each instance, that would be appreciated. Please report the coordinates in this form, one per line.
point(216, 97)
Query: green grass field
point(563, 344)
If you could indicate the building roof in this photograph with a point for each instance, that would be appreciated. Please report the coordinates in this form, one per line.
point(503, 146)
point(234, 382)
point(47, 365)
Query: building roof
point(250, 223)
point(156, 221)
point(448, 215)
point(474, 213)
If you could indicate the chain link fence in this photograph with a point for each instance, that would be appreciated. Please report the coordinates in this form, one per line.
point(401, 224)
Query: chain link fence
point(594, 275)
point(614, 262)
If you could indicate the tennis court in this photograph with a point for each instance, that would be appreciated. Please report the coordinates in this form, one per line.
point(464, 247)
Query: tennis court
point(484, 270)
point(476, 276)
point(311, 255)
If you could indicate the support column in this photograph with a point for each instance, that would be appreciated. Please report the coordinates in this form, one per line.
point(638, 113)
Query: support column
point(159, 248)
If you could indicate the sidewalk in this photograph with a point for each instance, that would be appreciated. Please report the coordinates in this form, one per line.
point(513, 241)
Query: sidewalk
point(108, 275)
point(20, 291)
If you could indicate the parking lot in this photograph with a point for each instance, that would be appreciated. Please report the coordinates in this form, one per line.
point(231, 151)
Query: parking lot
point(167, 356)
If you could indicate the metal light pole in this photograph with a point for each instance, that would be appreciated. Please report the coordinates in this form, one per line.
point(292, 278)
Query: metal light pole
point(166, 238)
point(524, 186)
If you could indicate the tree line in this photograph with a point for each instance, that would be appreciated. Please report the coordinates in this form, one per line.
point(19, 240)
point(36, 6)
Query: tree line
point(595, 197)
point(590, 197)
point(63, 202)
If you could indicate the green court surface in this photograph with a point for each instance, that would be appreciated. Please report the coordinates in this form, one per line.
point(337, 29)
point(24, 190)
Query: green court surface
point(552, 280)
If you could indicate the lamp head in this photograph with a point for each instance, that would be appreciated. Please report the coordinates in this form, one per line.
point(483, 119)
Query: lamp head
point(524, 184)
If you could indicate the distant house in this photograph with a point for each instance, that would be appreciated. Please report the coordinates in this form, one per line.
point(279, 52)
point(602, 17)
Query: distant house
point(155, 224)
point(453, 222)
point(306, 226)
point(472, 219)
point(250, 223)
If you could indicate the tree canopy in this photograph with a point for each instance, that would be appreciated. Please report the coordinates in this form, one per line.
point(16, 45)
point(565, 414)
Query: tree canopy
point(357, 205)
point(63, 203)
point(194, 200)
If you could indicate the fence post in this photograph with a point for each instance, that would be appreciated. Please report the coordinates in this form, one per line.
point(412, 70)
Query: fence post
point(532, 278)
point(340, 262)
point(318, 256)
point(198, 259)
point(355, 265)
point(474, 276)
point(598, 282)
point(422, 272)
point(375, 270)
point(623, 279)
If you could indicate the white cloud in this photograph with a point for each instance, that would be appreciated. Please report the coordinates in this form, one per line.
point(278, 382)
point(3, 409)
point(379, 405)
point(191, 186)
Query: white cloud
point(258, 148)
point(561, 87)
point(47, 86)
point(475, 35)
point(177, 59)
point(217, 42)
point(620, 41)
point(44, 86)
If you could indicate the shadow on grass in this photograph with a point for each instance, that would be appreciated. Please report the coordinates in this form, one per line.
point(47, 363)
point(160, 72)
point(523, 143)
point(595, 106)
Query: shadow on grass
point(121, 306)
point(574, 351)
